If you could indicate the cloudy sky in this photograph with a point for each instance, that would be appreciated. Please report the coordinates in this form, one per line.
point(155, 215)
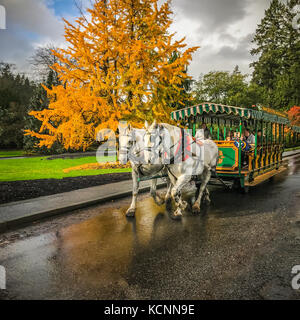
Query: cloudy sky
point(223, 29)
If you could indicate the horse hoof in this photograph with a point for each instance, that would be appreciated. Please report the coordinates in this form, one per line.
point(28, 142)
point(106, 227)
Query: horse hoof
point(177, 215)
point(196, 208)
point(130, 213)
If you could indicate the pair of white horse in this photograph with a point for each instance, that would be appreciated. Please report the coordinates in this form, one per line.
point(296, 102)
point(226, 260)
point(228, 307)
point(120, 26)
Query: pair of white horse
point(166, 149)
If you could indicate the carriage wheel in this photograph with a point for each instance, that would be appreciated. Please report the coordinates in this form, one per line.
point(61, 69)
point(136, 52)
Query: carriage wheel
point(237, 186)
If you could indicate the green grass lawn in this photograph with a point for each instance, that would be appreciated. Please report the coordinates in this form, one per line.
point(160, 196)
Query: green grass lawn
point(41, 168)
point(11, 153)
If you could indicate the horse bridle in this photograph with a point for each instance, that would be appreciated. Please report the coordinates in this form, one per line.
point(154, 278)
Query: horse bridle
point(127, 149)
point(150, 149)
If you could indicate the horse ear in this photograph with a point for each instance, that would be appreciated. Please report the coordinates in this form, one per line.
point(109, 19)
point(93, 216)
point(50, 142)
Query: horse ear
point(154, 124)
point(146, 125)
point(129, 127)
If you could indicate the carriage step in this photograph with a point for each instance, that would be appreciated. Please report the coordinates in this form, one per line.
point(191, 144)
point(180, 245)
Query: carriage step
point(259, 179)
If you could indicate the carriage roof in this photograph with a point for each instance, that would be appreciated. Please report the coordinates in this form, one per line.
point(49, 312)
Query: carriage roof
point(228, 112)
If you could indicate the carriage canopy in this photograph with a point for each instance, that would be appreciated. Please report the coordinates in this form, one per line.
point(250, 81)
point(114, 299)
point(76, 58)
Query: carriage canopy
point(228, 112)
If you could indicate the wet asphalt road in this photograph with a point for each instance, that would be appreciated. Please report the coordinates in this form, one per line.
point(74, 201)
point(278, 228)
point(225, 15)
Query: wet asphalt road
point(240, 247)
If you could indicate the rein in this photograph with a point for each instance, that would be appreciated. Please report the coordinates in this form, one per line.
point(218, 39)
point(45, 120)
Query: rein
point(133, 154)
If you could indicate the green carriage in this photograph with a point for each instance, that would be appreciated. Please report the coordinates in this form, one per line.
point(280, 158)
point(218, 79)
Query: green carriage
point(226, 124)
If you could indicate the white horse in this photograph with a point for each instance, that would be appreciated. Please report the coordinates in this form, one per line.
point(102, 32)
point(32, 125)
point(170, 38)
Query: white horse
point(131, 147)
point(182, 165)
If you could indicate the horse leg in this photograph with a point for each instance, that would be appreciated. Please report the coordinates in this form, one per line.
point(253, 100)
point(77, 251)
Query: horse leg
point(205, 179)
point(157, 198)
point(135, 190)
point(206, 196)
point(168, 197)
point(180, 204)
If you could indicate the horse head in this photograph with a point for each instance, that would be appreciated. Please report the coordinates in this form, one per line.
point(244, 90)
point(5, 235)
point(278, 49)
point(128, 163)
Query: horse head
point(126, 141)
point(154, 143)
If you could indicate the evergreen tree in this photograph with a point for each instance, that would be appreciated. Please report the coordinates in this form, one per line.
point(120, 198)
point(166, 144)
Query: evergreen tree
point(15, 94)
point(292, 65)
point(277, 46)
point(185, 86)
point(38, 102)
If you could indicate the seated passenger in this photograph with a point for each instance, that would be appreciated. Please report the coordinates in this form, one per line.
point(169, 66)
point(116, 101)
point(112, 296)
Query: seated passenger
point(245, 146)
point(248, 136)
point(236, 136)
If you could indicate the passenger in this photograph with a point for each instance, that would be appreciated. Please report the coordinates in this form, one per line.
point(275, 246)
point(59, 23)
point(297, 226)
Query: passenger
point(207, 134)
point(236, 136)
point(248, 136)
point(249, 140)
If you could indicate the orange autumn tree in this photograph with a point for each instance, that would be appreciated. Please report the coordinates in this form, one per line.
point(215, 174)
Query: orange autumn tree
point(294, 115)
point(117, 66)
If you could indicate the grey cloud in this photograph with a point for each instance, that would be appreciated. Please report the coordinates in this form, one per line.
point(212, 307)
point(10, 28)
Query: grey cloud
point(9, 42)
point(213, 14)
point(225, 58)
point(225, 30)
point(32, 16)
point(28, 22)
point(241, 51)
